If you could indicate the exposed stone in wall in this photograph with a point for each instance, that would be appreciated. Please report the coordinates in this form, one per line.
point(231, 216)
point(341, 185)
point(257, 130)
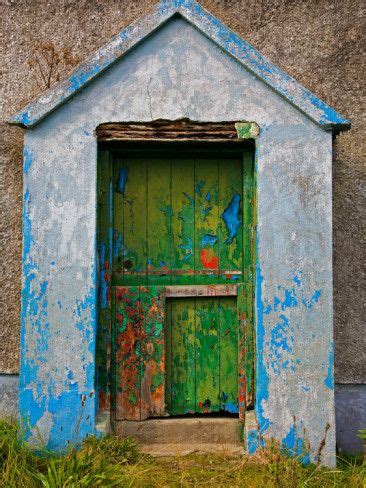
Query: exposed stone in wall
point(318, 43)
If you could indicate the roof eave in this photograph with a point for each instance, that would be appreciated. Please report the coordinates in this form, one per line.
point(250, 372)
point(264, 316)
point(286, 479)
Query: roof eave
point(304, 100)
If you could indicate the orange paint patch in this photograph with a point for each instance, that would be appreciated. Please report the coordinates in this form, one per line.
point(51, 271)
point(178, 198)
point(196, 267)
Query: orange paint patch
point(208, 259)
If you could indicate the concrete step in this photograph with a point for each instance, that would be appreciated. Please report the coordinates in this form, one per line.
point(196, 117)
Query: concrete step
point(173, 450)
point(183, 431)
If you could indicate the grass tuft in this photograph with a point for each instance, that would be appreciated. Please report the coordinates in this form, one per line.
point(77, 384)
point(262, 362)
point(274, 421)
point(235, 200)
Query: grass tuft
point(112, 462)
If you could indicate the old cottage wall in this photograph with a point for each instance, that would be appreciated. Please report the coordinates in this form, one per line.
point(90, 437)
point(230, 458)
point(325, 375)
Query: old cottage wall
point(319, 43)
point(179, 73)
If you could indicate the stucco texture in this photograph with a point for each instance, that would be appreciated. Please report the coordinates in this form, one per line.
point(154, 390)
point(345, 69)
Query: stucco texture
point(317, 42)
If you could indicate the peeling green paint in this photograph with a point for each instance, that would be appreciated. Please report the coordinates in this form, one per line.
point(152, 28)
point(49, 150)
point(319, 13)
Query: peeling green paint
point(247, 130)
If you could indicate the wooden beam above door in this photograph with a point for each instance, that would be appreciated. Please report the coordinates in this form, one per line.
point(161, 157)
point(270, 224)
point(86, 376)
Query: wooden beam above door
point(177, 130)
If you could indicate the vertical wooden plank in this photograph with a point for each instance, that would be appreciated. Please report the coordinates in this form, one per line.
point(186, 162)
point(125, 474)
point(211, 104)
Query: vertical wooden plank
point(152, 352)
point(134, 222)
point(168, 355)
point(103, 349)
point(113, 354)
point(159, 213)
point(128, 317)
point(182, 221)
point(183, 354)
point(249, 209)
point(228, 331)
point(120, 177)
point(231, 220)
point(206, 221)
point(207, 356)
point(242, 367)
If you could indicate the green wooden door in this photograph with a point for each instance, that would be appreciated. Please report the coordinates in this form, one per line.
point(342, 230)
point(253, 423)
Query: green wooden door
point(177, 222)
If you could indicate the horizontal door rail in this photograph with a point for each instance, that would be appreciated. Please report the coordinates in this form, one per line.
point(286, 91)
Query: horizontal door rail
point(171, 291)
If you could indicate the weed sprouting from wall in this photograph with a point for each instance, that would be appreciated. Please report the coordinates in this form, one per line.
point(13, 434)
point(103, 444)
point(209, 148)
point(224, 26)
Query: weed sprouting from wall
point(48, 63)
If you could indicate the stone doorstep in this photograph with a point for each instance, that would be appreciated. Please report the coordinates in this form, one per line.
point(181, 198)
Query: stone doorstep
point(174, 450)
point(188, 432)
point(183, 436)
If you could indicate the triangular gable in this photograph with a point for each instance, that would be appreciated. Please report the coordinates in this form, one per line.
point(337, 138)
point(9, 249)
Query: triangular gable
point(211, 27)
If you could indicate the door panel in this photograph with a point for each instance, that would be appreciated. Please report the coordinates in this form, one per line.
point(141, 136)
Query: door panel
point(177, 221)
point(139, 352)
point(202, 346)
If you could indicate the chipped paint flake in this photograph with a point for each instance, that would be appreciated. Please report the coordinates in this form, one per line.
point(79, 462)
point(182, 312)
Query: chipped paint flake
point(231, 218)
point(247, 130)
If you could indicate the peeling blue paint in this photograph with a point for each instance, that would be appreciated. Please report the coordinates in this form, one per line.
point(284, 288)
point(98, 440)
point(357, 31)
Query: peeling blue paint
point(235, 277)
point(70, 411)
point(118, 247)
point(276, 303)
point(191, 200)
point(293, 445)
point(254, 441)
point(231, 218)
point(329, 380)
point(297, 280)
point(309, 303)
point(279, 338)
point(289, 301)
point(103, 287)
point(262, 381)
point(27, 159)
point(208, 240)
point(206, 211)
point(293, 297)
point(231, 407)
point(31, 410)
point(280, 344)
point(188, 247)
point(199, 186)
point(122, 180)
point(83, 75)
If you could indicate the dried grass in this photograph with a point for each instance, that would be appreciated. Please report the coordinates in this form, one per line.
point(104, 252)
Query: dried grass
point(110, 462)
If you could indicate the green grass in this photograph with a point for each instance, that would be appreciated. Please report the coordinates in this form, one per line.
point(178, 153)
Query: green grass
point(112, 462)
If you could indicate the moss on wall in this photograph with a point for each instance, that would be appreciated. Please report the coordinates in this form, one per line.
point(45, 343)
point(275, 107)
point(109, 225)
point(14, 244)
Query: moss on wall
point(317, 42)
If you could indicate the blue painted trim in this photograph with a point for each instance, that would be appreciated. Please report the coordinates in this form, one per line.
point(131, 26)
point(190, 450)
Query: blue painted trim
point(211, 27)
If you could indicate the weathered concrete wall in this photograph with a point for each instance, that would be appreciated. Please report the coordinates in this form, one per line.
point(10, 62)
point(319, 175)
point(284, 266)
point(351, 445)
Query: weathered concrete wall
point(318, 42)
point(350, 417)
point(180, 73)
point(9, 395)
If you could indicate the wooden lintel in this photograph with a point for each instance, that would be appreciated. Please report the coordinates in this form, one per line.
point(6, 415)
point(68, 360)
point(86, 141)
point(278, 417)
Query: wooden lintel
point(182, 130)
point(200, 290)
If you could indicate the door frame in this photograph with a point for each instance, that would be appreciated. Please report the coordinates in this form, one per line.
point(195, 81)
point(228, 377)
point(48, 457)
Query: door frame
point(227, 136)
